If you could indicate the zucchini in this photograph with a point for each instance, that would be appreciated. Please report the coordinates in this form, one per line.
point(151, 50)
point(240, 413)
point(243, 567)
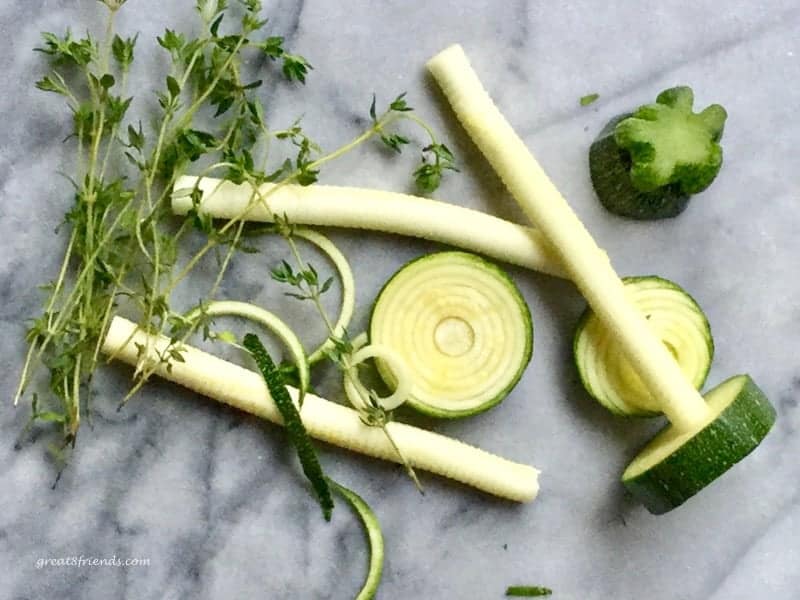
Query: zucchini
point(329, 422)
point(609, 166)
point(675, 465)
point(737, 416)
point(374, 536)
point(462, 328)
point(528, 591)
point(677, 321)
point(298, 435)
point(587, 264)
point(270, 321)
point(647, 164)
point(371, 210)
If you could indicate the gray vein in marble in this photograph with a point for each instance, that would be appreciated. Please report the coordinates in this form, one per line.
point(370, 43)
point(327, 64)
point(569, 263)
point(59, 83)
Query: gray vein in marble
point(295, 19)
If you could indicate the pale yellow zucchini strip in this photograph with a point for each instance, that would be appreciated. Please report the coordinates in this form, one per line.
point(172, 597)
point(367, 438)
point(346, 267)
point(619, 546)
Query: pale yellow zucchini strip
point(327, 421)
point(585, 263)
point(375, 210)
point(347, 280)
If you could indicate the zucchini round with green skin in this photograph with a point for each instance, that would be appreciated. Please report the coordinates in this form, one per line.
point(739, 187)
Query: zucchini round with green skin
point(609, 166)
point(462, 328)
point(675, 465)
point(677, 321)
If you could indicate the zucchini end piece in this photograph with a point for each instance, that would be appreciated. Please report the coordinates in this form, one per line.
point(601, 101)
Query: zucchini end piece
point(676, 465)
point(610, 167)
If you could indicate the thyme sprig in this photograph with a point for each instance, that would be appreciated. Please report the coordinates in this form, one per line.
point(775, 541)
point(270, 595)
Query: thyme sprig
point(306, 284)
point(124, 244)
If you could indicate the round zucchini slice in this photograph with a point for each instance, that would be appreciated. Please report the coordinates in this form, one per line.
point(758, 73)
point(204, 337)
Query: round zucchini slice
point(675, 465)
point(461, 326)
point(675, 318)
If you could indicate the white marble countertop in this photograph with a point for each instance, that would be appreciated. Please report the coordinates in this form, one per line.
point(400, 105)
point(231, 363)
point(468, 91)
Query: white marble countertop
point(214, 499)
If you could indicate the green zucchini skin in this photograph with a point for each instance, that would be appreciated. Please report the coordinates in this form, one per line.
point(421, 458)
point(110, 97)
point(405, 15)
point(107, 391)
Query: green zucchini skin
point(374, 536)
point(298, 436)
point(732, 435)
point(609, 167)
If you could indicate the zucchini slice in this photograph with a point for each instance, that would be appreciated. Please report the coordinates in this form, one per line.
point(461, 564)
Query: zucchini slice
point(610, 166)
point(676, 465)
point(461, 326)
point(677, 321)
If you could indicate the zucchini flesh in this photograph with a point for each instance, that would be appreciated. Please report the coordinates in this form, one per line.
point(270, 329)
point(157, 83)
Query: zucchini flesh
point(610, 166)
point(270, 321)
point(374, 210)
point(675, 465)
point(359, 394)
point(671, 144)
point(348, 289)
point(327, 421)
point(461, 327)
point(675, 318)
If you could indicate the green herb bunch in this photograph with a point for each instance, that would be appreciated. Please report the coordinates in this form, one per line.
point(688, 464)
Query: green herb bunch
point(124, 245)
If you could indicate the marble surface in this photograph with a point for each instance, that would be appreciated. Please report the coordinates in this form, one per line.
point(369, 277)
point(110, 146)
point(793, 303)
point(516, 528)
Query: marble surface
point(214, 499)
